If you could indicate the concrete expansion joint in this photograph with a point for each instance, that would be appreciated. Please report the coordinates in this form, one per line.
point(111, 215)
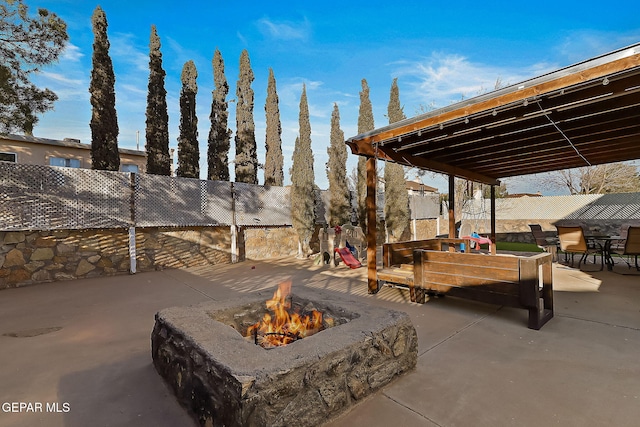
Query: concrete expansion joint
point(397, 402)
point(475, 322)
point(598, 322)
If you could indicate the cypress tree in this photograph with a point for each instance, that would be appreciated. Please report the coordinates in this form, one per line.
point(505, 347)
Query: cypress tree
point(246, 155)
point(104, 121)
point(339, 198)
point(396, 198)
point(157, 124)
point(219, 134)
point(188, 150)
point(302, 181)
point(365, 124)
point(273, 174)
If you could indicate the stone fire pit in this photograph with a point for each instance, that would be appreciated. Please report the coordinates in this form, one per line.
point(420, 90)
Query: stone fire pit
point(221, 378)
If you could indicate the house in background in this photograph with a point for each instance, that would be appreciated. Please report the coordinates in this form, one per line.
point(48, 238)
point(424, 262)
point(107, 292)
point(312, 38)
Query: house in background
point(417, 188)
point(69, 152)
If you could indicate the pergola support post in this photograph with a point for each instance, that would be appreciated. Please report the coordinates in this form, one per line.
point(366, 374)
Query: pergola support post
point(372, 274)
point(493, 220)
point(452, 210)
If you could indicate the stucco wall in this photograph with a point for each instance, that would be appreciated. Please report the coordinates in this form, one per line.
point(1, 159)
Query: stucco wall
point(38, 151)
point(425, 229)
point(265, 243)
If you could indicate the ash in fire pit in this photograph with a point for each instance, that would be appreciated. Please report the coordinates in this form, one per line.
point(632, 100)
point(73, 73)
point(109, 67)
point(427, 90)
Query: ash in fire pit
point(223, 378)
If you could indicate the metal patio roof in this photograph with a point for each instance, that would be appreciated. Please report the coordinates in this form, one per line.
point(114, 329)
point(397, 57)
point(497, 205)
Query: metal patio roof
point(581, 115)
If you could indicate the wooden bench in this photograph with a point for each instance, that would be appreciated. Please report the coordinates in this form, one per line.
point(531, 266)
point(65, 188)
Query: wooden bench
point(397, 259)
point(514, 281)
point(425, 267)
point(396, 254)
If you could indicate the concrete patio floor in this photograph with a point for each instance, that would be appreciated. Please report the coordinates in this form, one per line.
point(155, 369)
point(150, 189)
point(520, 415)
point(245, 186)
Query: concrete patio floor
point(478, 364)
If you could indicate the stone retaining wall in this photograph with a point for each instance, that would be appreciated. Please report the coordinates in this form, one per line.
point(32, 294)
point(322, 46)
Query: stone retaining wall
point(29, 257)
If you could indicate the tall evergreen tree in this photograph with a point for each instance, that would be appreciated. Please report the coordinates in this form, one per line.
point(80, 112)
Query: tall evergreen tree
point(273, 174)
point(188, 150)
point(157, 129)
point(246, 153)
point(339, 198)
point(365, 124)
point(104, 121)
point(302, 181)
point(219, 134)
point(396, 198)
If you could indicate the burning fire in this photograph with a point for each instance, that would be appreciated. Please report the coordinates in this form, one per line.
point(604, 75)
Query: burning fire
point(282, 326)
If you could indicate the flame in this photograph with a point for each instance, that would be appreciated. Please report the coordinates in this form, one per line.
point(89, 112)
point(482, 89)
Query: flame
point(282, 326)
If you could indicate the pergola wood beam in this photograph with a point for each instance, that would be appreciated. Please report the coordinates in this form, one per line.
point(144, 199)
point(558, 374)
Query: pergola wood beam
point(382, 153)
point(576, 78)
point(513, 132)
point(588, 148)
point(530, 116)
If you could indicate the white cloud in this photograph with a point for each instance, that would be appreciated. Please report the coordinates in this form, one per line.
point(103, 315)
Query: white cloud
point(285, 30)
point(580, 45)
point(443, 79)
point(134, 90)
point(241, 37)
point(179, 56)
point(62, 79)
point(68, 86)
point(290, 91)
point(319, 112)
point(71, 53)
point(124, 49)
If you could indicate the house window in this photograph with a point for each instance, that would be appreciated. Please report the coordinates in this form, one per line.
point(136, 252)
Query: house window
point(61, 161)
point(129, 168)
point(8, 157)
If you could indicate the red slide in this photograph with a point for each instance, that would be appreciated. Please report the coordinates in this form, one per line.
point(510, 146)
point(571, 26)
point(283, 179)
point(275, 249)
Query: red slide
point(348, 258)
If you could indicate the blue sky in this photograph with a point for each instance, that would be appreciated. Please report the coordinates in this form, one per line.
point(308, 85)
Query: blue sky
point(439, 51)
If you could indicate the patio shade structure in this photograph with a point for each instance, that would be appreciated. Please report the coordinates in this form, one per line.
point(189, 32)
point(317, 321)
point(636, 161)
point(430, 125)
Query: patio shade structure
point(582, 115)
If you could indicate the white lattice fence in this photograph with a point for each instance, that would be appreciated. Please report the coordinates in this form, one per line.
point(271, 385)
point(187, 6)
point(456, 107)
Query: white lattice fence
point(261, 205)
point(36, 197)
point(172, 201)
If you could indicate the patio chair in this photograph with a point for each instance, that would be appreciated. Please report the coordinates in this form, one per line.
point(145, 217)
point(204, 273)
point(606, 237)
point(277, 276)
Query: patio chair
point(629, 247)
point(547, 244)
point(572, 241)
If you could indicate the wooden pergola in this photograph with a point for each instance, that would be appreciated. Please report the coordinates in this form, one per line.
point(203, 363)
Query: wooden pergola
point(581, 115)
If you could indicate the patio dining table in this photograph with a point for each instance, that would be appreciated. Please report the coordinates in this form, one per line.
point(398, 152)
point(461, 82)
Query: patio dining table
point(604, 241)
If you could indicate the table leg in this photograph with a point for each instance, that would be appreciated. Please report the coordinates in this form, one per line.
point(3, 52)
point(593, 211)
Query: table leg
point(607, 255)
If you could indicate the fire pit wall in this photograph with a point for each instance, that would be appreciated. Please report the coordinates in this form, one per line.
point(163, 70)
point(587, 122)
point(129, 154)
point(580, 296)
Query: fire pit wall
point(223, 379)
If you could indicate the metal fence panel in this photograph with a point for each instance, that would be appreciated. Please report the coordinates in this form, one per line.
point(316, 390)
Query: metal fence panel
point(34, 197)
point(172, 201)
point(262, 205)
point(617, 206)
